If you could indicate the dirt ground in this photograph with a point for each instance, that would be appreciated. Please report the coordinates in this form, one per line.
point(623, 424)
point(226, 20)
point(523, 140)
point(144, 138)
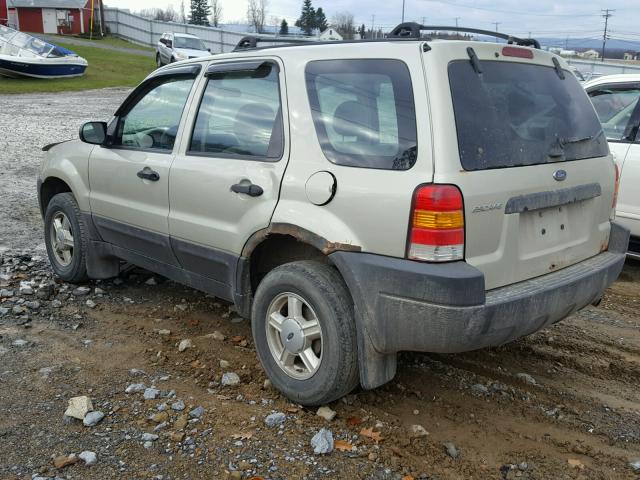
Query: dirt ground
point(561, 404)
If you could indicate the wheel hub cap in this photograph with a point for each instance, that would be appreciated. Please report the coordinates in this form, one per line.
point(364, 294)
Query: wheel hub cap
point(61, 239)
point(292, 336)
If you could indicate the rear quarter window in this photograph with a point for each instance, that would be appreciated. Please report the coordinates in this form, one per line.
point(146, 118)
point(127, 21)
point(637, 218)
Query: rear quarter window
point(515, 114)
point(363, 112)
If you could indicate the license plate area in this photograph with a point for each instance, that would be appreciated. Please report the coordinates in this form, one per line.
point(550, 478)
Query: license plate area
point(551, 229)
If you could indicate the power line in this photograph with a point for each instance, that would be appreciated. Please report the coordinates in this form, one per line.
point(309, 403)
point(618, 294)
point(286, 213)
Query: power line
point(514, 12)
point(606, 14)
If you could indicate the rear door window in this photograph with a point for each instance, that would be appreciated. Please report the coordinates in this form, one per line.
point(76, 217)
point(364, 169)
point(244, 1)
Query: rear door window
point(364, 113)
point(515, 114)
point(240, 116)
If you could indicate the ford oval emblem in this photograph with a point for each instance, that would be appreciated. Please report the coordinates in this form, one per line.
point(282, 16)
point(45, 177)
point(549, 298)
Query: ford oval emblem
point(560, 175)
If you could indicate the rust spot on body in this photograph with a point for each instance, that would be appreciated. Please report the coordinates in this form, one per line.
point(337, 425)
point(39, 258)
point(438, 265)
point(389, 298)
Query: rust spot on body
point(300, 234)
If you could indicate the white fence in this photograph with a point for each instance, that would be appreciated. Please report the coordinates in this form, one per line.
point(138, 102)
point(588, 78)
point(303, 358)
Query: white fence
point(143, 31)
point(588, 68)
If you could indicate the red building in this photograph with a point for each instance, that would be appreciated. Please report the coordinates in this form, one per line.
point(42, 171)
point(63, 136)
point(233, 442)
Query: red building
point(53, 16)
point(4, 17)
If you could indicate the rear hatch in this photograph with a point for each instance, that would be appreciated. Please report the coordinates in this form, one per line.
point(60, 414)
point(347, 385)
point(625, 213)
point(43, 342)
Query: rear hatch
point(527, 153)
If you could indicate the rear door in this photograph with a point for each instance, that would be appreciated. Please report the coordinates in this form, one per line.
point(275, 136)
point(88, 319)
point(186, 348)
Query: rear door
point(225, 182)
point(533, 164)
point(618, 107)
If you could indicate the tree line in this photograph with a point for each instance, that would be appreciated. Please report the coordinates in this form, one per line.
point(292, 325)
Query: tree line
point(209, 13)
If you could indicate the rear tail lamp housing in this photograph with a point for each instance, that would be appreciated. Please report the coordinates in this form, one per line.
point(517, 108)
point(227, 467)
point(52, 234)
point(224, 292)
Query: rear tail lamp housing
point(436, 225)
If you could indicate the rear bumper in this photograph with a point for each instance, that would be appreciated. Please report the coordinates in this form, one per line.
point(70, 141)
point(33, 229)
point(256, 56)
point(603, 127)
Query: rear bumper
point(405, 305)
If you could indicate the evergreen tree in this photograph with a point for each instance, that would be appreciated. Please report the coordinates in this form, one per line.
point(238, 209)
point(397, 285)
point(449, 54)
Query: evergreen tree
point(321, 20)
point(284, 27)
point(362, 31)
point(200, 11)
point(307, 20)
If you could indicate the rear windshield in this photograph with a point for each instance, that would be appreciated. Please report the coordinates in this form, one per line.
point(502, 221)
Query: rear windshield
point(515, 114)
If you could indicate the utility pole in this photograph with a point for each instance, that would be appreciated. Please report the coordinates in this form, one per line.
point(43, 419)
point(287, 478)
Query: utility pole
point(457, 33)
point(496, 24)
point(423, 20)
point(373, 18)
point(606, 14)
point(403, 11)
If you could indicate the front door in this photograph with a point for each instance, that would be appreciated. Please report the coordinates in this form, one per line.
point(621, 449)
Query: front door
point(49, 20)
point(225, 181)
point(129, 178)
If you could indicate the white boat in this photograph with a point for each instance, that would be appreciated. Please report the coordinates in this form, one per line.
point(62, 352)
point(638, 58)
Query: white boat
point(23, 55)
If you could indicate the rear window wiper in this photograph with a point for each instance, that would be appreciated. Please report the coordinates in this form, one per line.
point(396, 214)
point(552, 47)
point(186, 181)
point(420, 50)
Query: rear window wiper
point(557, 148)
point(572, 141)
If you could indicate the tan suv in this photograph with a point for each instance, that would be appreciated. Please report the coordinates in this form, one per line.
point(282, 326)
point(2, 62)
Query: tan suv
point(354, 199)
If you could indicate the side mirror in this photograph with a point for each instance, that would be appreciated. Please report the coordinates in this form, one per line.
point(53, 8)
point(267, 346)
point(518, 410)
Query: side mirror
point(94, 133)
point(169, 43)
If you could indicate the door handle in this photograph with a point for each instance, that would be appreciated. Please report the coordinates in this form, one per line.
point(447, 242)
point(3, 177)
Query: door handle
point(147, 174)
point(248, 189)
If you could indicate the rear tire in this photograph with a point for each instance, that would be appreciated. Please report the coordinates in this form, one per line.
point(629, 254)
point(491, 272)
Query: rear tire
point(304, 331)
point(66, 238)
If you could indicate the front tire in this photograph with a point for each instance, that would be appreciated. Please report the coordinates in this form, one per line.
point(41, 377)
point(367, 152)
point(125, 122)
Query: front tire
point(158, 60)
point(66, 238)
point(304, 331)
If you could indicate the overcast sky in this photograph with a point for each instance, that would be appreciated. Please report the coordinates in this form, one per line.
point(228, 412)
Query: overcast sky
point(569, 18)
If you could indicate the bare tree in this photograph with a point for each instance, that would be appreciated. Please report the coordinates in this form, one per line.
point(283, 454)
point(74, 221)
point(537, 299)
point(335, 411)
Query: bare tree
point(257, 14)
point(183, 15)
point(343, 23)
point(216, 12)
point(275, 22)
point(168, 15)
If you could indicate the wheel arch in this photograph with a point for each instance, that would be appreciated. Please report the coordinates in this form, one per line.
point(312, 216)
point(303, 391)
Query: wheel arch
point(49, 188)
point(276, 245)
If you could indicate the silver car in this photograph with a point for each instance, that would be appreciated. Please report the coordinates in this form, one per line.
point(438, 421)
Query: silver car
point(173, 47)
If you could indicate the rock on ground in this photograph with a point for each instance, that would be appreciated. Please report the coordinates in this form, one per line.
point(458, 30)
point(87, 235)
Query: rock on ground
point(326, 413)
point(229, 379)
point(135, 388)
point(322, 442)
point(91, 419)
point(78, 407)
point(275, 419)
point(451, 450)
point(89, 458)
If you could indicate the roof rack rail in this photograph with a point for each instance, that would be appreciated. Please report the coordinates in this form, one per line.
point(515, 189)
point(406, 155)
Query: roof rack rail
point(413, 30)
point(251, 41)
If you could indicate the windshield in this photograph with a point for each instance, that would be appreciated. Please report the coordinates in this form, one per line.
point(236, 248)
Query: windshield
point(189, 43)
point(515, 114)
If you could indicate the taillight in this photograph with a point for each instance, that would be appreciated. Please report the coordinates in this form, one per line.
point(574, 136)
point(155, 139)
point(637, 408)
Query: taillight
point(436, 228)
point(617, 186)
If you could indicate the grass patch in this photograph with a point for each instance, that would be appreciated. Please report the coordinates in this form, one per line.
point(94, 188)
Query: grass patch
point(106, 69)
point(108, 40)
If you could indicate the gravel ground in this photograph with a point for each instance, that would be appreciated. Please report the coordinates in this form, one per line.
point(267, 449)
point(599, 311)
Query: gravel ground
point(176, 390)
point(28, 123)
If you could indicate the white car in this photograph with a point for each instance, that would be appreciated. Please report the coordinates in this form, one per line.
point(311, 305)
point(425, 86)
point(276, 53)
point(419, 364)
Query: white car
point(173, 47)
point(617, 102)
